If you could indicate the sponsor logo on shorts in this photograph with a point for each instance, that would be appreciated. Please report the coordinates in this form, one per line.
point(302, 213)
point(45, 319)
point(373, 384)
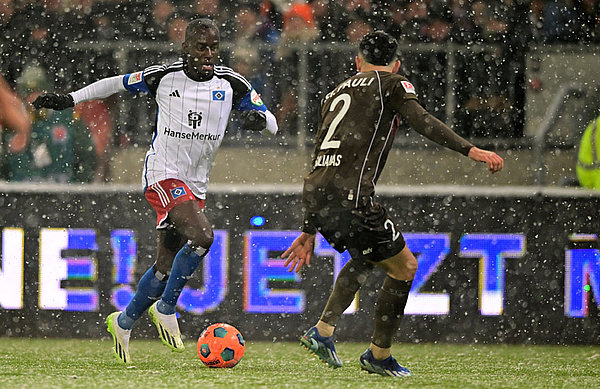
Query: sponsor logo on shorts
point(367, 251)
point(408, 87)
point(255, 98)
point(134, 78)
point(178, 192)
point(218, 95)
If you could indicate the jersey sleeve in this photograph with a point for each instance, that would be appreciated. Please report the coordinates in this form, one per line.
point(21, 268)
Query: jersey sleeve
point(251, 101)
point(401, 91)
point(144, 81)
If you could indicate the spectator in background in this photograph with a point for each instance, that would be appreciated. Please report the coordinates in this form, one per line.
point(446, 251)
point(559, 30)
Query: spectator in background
point(175, 36)
point(246, 28)
point(157, 26)
point(462, 23)
point(488, 111)
point(255, 24)
point(589, 13)
point(122, 20)
point(206, 8)
point(357, 28)
point(414, 21)
point(8, 37)
point(247, 58)
point(331, 18)
point(439, 26)
point(60, 148)
point(299, 31)
point(490, 22)
point(561, 22)
point(246, 61)
point(15, 125)
point(76, 22)
point(396, 20)
point(215, 10)
point(272, 19)
point(298, 25)
point(369, 11)
point(536, 20)
point(34, 41)
point(98, 119)
point(176, 30)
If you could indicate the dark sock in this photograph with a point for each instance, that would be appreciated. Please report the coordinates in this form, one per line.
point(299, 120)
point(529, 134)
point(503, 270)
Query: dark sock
point(389, 310)
point(149, 289)
point(186, 261)
point(348, 282)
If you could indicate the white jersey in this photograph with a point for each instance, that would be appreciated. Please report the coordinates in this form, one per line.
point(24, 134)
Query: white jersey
point(191, 120)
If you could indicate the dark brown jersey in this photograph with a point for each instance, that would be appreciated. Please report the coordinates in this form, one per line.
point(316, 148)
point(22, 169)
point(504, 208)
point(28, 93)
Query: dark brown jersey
point(357, 126)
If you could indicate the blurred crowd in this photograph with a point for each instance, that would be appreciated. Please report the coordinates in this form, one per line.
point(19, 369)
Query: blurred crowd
point(463, 21)
point(36, 39)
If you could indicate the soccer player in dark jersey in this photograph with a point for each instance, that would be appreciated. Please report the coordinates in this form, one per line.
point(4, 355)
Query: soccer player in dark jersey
point(358, 121)
point(194, 99)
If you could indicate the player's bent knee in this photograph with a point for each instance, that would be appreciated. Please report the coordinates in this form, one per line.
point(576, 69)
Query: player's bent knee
point(405, 270)
point(203, 238)
point(411, 267)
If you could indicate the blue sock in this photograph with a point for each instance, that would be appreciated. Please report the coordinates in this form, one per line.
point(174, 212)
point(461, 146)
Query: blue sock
point(148, 291)
point(186, 261)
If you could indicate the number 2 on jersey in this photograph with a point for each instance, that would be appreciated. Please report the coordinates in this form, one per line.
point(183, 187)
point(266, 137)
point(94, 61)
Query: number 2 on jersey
point(327, 142)
point(390, 224)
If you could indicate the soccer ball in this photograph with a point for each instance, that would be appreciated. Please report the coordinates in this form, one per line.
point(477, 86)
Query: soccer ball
point(221, 345)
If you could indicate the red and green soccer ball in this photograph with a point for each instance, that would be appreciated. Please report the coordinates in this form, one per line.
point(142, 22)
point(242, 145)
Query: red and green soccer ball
point(221, 345)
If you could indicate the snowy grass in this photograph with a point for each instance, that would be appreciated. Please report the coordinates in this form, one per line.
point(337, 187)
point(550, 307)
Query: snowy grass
point(69, 363)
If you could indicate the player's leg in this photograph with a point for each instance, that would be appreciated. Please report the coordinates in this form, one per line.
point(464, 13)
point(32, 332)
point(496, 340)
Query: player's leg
point(191, 223)
point(348, 282)
point(389, 310)
point(149, 289)
point(319, 339)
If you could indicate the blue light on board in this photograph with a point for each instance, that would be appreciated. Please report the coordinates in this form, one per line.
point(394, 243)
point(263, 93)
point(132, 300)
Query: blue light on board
point(257, 221)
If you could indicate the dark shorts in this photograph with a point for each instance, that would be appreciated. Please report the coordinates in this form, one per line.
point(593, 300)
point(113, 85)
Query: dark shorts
point(368, 233)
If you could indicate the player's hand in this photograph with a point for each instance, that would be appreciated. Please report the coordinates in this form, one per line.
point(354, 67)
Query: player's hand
point(18, 143)
point(493, 160)
point(300, 252)
point(54, 101)
point(254, 120)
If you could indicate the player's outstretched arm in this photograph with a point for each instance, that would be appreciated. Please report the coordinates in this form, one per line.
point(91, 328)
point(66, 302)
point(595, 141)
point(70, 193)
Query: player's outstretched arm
point(97, 90)
point(300, 252)
point(428, 125)
point(431, 127)
point(494, 162)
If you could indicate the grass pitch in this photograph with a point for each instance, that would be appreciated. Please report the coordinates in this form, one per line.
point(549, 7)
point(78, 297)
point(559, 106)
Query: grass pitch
point(69, 363)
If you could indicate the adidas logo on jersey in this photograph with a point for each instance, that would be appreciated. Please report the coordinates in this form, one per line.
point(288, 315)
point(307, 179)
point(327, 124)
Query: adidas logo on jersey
point(175, 93)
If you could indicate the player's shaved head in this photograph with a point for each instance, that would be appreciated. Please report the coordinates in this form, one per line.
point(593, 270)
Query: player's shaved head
point(198, 25)
point(378, 48)
point(201, 48)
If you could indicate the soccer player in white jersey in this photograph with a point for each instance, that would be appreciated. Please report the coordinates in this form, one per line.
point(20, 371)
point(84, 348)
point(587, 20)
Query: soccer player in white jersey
point(194, 99)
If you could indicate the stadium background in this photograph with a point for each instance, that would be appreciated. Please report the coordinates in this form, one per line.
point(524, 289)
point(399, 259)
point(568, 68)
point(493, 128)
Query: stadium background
point(447, 74)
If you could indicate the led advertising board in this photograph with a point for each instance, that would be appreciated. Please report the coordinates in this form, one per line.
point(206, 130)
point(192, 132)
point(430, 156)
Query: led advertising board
point(513, 267)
